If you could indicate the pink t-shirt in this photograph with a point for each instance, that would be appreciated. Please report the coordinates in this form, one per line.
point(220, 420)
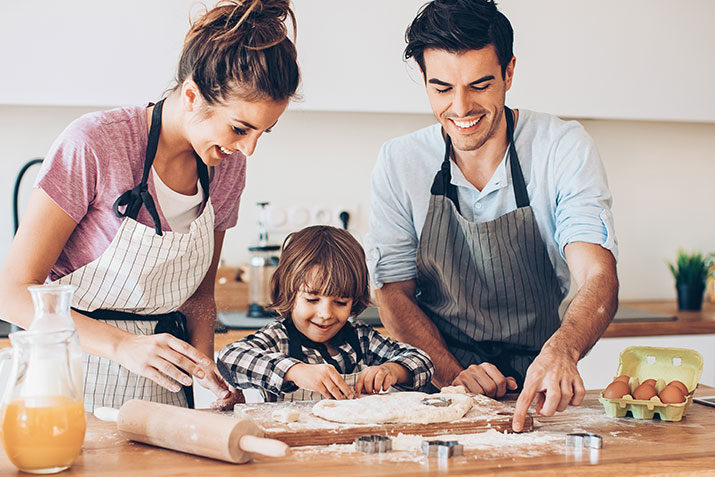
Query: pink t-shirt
point(97, 158)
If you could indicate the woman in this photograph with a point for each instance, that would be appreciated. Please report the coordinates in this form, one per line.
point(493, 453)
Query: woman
point(132, 204)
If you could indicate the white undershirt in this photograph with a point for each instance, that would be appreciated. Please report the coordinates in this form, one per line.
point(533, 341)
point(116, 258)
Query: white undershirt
point(178, 209)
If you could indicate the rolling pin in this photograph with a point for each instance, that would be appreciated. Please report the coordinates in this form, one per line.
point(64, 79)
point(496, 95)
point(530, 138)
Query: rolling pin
point(203, 433)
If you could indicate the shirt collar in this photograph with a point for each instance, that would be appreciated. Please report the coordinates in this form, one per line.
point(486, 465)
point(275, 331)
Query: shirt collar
point(497, 181)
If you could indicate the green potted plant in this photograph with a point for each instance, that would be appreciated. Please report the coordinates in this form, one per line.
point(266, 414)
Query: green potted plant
point(690, 271)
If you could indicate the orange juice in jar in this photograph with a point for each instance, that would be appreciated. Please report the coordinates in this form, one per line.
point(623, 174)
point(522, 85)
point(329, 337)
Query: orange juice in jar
point(42, 418)
point(43, 435)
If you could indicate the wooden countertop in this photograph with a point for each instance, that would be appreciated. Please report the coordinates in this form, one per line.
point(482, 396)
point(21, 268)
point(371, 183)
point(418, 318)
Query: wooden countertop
point(687, 323)
point(630, 447)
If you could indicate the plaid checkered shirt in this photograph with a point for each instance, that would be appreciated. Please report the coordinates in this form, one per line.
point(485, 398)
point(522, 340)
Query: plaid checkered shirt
point(262, 359)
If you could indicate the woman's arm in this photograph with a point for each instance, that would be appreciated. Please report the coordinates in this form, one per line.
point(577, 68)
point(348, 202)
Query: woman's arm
point(43, 233)
point(200, 311)
point(200, 308)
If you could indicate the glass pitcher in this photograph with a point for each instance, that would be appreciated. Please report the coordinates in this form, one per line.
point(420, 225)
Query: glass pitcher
point(52, 313)
point(42, 416)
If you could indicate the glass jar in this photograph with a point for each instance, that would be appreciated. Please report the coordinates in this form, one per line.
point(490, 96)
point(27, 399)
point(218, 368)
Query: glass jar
point(52, 313)
point(42, 416)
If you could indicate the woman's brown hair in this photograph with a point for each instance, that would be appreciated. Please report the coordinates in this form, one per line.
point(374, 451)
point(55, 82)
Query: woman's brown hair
point(328, 260)
point(241, 48)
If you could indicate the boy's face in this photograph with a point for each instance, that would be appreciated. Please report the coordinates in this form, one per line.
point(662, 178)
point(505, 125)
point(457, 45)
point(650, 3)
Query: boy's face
point(320, 317)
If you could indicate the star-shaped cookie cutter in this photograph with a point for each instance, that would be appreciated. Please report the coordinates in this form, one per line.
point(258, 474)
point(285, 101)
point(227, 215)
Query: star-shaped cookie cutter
point(442, 449)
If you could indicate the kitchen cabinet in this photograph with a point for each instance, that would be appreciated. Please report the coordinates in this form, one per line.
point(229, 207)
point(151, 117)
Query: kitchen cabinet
point(641, 59)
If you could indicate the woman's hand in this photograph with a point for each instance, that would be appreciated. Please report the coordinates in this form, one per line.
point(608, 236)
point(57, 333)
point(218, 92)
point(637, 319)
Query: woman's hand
point(166, 360)
point(379, 378)
point(322, 378)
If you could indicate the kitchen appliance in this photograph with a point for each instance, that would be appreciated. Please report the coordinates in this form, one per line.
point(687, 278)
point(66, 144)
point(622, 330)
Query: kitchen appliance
point(263, 262)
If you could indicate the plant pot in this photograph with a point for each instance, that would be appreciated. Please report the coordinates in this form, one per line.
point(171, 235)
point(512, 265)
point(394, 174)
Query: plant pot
point(690, 297)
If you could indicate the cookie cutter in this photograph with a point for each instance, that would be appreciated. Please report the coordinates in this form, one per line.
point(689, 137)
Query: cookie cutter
point(373, 444)
point(442, 449)
point(437, 401)
point(584, 439)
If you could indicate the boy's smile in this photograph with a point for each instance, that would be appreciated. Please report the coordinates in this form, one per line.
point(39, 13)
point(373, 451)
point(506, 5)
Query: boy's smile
point(320, 317)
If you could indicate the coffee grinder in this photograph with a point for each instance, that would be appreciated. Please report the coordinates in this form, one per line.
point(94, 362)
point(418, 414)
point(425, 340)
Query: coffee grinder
point(263, 262)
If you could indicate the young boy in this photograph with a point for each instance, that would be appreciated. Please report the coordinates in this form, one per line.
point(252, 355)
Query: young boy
point(312, 351)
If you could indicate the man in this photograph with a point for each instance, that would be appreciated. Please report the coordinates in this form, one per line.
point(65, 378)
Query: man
point(478, 222)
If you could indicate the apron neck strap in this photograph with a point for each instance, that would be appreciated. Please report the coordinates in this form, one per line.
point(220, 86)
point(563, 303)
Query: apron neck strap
point(134, 198)
point(517, 177)
point(347, 334)
point(442, 184)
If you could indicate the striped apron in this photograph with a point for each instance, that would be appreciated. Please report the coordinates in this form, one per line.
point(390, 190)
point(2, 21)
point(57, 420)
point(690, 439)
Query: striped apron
point(138, 284)
point(489, 287)
point(296, 341)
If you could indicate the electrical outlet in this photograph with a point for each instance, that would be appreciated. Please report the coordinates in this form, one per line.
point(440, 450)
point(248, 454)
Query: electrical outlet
point(298, 217)
point(321, 215)
point(337, 221)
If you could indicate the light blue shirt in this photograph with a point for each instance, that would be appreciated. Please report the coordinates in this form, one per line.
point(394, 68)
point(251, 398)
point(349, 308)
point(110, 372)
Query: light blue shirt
point(565, 180)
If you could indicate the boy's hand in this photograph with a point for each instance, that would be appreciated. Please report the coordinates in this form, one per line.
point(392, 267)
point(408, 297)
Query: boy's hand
point(379, 378)
point(322, 378)
point(235, 396)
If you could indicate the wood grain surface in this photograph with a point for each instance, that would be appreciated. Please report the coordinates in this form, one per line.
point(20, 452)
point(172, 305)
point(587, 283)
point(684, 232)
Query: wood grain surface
point(631, 448)
point(310, 430)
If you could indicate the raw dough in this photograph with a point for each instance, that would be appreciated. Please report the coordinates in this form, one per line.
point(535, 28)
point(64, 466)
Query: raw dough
point(286, 414)
point(393, 407)
point(453, 390)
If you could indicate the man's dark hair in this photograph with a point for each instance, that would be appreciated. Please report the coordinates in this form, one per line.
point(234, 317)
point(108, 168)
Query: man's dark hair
point(457, 26)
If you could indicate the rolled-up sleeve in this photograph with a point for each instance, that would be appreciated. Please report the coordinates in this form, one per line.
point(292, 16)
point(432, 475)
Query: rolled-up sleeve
point(583, 201)
point(391, 245)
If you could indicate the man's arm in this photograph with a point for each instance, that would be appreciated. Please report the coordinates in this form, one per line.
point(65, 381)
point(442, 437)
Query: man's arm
point(553, 378)
point(406, 322)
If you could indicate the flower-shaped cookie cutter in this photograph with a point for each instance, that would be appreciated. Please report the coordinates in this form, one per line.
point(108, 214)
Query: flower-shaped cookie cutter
point(373, 444)
point(437, 401)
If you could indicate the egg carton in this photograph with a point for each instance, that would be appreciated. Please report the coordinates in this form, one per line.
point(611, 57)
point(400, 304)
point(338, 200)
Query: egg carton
point(662, 364)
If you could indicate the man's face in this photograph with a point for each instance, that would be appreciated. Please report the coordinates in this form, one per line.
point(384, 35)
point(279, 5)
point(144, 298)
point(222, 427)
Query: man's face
point(466, 91)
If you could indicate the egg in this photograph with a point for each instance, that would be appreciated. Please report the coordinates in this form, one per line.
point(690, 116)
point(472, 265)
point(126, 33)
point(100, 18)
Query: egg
point(623, 378)
point(680, 385)
point(671, 394)
point(649, 381)
point(645, 391)
point(616, 390)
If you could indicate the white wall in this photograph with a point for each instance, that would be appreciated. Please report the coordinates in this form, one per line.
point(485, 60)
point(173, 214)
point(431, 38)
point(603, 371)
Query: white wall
point(661, 175)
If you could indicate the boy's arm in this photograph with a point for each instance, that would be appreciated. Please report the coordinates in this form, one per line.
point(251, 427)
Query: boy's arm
point(258, 360)
point(379, 349)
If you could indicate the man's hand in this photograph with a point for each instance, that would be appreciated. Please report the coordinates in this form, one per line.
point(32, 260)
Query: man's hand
point(379, 378)
point(552, 383)
point(322, 378)
point(485, 379)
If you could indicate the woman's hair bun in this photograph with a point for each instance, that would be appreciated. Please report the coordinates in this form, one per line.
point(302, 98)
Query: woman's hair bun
point(242, 47)
point(260, 23)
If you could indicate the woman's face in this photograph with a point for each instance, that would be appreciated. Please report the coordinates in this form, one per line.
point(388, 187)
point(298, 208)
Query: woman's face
point(219, 130)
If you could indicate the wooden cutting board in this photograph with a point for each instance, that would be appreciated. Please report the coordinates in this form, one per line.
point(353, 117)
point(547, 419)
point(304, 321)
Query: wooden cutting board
point(311, 430)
